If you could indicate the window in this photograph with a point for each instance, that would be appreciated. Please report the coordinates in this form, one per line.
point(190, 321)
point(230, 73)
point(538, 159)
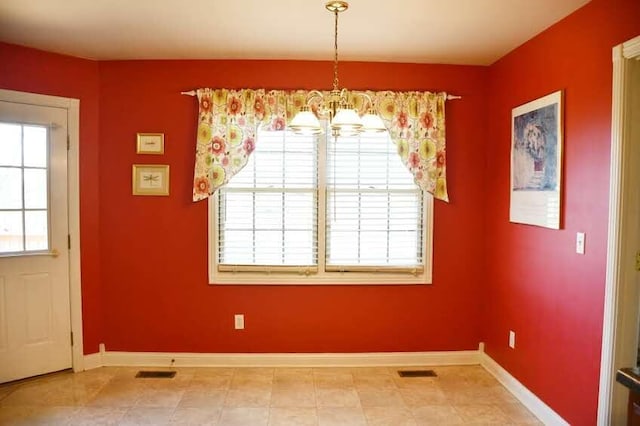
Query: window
point(24, 216)
point(313, 209)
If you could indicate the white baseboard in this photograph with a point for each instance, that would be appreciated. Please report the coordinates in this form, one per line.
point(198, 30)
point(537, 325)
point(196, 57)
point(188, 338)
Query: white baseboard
point(371, 359)
point(541, 410)
point(92, 361)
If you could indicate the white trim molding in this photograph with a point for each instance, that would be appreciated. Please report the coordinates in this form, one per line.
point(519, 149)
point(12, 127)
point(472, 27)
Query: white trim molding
point(620, 322)
point(372, 359)
point(539, 409)
point(73, 160)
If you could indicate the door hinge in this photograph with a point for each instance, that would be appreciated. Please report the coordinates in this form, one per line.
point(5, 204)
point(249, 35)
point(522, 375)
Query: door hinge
point(71, 338)
point(638, 261)
point(69, 241)
point(68, 142)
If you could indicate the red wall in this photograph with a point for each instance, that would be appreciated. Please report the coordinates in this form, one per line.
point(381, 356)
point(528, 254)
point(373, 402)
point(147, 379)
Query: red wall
point(536, 284)
point(154, 249)
point(31, 70)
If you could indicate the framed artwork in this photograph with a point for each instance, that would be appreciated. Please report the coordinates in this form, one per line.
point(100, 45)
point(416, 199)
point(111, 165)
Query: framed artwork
point(150, 143)
point(150, 179)
point(536, 162)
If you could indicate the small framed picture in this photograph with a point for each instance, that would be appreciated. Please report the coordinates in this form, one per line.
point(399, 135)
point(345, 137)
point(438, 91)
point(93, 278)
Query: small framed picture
point(150, 179)
point(150, 143)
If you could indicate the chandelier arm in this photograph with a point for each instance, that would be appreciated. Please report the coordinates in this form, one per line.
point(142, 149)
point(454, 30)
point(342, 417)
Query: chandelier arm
point(312, 95)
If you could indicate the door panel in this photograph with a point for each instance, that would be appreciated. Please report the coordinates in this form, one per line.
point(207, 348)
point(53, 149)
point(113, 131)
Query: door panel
point(35, 325)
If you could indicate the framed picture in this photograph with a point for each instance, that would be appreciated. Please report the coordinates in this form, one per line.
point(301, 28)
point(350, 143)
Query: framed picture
point(150, 179)
point(150, 143)
point(536, 162)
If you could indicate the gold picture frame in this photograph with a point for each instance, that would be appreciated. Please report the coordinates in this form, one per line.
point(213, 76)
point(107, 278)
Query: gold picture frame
point(150, 179)
point(150, 143)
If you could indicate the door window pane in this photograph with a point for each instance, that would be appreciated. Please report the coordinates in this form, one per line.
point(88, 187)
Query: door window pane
point(36, 233)
point(35, 188)
point(10, 188)
point(35, 146)
point(11, 232)
point(10, 144)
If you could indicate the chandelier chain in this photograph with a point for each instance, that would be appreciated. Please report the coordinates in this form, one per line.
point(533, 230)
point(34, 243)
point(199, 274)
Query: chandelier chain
point(335, 52)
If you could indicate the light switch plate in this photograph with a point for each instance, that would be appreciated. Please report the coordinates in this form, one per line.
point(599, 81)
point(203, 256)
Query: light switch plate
point(239, 321)
point(580, 242)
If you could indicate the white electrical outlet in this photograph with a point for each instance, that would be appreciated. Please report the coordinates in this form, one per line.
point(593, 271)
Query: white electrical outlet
point(580, 243)
point(512, 339)
point(239, 321)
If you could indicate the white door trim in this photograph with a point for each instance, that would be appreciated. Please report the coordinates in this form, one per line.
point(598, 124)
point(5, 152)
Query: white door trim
point(611, 399)
point(75, 289)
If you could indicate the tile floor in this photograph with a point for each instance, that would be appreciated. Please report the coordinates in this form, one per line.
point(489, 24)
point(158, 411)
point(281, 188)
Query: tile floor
point(263, 396)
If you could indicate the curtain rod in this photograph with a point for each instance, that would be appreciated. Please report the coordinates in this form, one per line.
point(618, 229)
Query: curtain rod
point(193, 93)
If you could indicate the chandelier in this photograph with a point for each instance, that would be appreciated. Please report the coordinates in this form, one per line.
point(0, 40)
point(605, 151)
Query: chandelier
point(343, 117)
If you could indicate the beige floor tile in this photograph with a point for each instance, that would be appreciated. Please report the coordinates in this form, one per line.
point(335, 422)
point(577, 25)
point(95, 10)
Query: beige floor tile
point(519, 414)
point(420, 396)
point(254, 372)
point(331, 377)
point(381, 397)
point(205, 372)
point(436, 415)
point(197, 398)
point(248, 397)
point(293, 416)
point(293, 372)
point(389, 416)
point(209, 383)
point(167, 398)
point(374, 382)
point(244, 416)
point(117, 395)
point(36, 415)
point(341, 416)
point(293, 396)
point(482, 413)
point(97, 416)
point(337, 397)
point(196, 416)
point(147, 416)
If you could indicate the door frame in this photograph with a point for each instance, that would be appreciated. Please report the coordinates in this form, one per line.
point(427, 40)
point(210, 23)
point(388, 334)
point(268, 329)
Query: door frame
point(75, 286)
point(620, 322)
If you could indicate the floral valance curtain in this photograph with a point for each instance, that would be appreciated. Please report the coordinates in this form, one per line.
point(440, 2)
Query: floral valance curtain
point(228, 121)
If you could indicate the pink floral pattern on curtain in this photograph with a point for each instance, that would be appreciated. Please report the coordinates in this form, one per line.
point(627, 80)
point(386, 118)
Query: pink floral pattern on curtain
point(228, 121)
point(416, 124)
point(227, 124)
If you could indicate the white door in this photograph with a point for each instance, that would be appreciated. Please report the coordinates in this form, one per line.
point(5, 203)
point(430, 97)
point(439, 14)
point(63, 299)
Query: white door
point(35, 327)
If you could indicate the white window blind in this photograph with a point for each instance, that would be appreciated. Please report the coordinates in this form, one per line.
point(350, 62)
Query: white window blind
point(374, 207)
point(307, 210)
point(268, 212)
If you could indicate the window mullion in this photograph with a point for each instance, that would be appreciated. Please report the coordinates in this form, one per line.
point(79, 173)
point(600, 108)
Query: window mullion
point(282, 199)
point(321, 199)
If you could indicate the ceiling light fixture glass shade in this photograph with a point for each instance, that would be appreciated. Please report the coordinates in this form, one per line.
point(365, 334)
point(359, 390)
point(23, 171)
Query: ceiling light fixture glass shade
point(305, 122)
point(344, 119)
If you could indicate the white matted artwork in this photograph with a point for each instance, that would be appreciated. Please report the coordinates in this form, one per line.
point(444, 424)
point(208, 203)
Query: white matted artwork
point(536, 162)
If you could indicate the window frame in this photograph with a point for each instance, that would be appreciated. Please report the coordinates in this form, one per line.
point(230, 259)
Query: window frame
point(317, 275)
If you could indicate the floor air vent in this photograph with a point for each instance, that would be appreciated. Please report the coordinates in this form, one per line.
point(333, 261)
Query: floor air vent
point(417, 373)
point(155, 374)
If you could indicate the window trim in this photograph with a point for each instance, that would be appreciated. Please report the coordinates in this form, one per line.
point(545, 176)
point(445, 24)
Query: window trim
point(318, 275)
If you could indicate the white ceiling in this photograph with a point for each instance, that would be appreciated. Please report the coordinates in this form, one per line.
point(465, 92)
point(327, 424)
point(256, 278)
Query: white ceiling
point(474, 32)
